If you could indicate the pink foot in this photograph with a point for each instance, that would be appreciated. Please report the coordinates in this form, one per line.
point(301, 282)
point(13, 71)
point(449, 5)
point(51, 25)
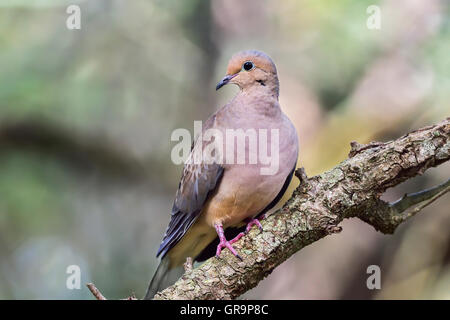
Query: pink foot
point(252, 222)
point(235, 239)
point(224, 243)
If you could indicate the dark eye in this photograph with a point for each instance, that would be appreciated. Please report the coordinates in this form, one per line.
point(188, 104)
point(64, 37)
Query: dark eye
point(247, 66)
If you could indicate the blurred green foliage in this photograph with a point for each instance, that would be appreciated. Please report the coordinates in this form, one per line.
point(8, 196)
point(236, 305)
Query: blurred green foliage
point(74, 102)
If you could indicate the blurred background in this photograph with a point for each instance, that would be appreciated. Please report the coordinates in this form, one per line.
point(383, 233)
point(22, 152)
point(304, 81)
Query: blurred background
point(86, 116)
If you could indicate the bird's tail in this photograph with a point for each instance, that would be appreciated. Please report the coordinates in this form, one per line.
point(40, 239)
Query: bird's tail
point(163, 277)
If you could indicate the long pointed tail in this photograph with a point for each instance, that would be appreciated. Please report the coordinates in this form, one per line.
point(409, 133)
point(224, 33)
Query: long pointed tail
point(163, 278)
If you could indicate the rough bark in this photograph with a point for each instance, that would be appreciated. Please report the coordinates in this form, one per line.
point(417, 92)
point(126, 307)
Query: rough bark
point(351, 189)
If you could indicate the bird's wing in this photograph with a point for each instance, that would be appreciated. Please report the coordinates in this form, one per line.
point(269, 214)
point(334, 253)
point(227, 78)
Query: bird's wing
point(279, 195)
point(198, 182)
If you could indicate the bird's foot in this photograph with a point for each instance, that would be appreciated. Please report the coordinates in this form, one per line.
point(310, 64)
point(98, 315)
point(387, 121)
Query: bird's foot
point(235, 239)
point(252, 222)
point(227, 244)
point(224, 243)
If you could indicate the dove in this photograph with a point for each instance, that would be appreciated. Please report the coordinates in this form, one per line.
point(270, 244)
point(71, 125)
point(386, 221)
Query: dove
point(218, 201)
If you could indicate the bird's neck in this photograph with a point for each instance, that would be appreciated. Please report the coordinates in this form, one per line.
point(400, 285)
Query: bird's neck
point(269, 89)
point(257, 101)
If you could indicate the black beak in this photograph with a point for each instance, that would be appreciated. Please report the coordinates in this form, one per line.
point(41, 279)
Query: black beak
point(225, 80)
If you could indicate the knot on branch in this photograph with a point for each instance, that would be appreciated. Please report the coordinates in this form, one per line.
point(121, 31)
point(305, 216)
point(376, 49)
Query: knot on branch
point(188, 265)
point(358, 147)
point(332, 228)
point(301, 175)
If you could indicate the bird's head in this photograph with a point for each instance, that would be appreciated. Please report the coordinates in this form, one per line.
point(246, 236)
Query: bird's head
point(251, 69)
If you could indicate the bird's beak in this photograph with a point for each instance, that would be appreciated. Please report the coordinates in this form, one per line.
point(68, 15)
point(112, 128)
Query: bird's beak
point(225, 80)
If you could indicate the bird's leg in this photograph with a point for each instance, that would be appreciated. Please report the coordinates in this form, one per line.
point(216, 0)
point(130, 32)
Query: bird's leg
point(252, 222)
point(224, 243)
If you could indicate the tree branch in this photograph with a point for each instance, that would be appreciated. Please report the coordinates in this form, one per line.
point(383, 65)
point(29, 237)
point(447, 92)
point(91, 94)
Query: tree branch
point(97, 294)
point(431, 194)
point(351, 189)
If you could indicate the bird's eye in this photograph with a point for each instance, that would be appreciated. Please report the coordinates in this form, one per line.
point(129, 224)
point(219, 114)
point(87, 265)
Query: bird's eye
point(247, 66)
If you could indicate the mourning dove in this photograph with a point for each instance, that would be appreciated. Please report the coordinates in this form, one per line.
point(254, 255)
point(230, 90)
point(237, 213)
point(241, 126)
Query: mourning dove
point(216, 194)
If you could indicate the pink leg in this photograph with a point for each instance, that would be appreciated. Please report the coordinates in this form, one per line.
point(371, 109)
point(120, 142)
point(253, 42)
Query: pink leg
point(252, 222)
point(224, 243)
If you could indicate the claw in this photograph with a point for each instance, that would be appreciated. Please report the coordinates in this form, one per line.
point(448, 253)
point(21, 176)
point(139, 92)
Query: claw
point(252, 222)
point(224, 243)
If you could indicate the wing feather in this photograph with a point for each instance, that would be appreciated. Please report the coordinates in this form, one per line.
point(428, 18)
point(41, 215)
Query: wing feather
point(198, 182)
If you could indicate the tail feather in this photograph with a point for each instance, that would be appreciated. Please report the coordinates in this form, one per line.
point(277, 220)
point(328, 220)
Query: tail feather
point(163, 278)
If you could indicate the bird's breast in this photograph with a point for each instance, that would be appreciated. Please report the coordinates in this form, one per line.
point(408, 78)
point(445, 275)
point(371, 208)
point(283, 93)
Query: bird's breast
point(245, 191)
point(258, 153)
